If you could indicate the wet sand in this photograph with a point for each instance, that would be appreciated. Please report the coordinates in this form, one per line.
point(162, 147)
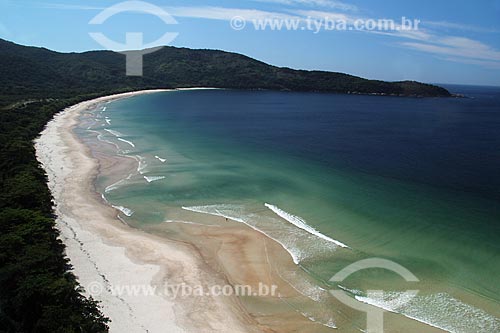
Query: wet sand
point(107, 253)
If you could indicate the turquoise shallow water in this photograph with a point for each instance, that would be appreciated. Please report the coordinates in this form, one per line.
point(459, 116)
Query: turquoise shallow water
point(410, 180)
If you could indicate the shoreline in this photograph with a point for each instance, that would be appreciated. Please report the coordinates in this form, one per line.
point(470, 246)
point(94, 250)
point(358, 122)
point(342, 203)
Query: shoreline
point(105, 253)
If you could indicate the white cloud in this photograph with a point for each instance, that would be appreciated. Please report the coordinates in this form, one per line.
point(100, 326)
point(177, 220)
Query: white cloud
point(471, 51)
point(482, 63)
point(457, 47)
point(432, 41)
point(321, 15)
point(225, 14)
point(315, 3)
point(458, 26)
point(70, 7)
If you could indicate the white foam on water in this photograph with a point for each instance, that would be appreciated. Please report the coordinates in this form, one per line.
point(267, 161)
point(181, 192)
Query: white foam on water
point(304, 286)
point(162, 160)
point(142, 165)
point(116, 185)
point(300, 223)
point(101, 138)
point(126, 141)
point(220, 210)
point(352, 291)
point(330, 323)
point(113, 132)
point(103, 109)
point(124, 210)
point(108, 121)
point(439, 310)
point(153, 178)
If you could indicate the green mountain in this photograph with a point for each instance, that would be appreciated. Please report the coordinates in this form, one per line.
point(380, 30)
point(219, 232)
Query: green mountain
point(31, 72)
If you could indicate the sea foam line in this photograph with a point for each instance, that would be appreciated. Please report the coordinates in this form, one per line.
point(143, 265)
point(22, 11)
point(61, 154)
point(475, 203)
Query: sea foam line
point(162, 160)
point(300, 223)
point(126, 141)
point(216, 212)
point(113, 132)
point(100, 138)
point(116, 185)
point(427, 310)
point(141, 164)
point(153, 178)
point(124, 210)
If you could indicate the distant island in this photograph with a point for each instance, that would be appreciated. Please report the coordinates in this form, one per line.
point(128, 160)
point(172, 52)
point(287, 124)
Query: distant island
point(32, 73)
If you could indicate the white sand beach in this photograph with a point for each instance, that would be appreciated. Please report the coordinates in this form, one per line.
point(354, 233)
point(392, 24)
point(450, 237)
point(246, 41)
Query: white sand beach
point(105, 253)
point(128, 270)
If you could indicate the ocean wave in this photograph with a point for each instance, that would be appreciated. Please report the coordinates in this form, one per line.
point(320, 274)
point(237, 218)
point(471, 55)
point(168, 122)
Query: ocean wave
point(162, 160)
point(128, 142)
point(153, 178)
point(439, 310)
point(352, 291)
point(116, 185)
point(300, 223)
point(141, 164)
point(124, 210)
point(299, 243)
point(228, 211)
point(304, 286)
point(101, 138)
point(113, 186)
point(113, 132)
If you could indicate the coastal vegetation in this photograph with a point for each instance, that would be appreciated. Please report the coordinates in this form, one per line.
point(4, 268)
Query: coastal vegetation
point(37, 291)
point(31, 73)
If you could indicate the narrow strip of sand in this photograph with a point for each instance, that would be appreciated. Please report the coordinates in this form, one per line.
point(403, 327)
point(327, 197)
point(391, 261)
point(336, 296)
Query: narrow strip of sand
point(106, 253)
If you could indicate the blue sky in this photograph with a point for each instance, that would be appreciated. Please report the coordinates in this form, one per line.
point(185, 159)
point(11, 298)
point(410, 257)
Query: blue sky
point(456, 41)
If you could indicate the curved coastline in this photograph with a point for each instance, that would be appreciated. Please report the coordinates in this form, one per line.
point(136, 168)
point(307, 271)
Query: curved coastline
point(105, 253)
